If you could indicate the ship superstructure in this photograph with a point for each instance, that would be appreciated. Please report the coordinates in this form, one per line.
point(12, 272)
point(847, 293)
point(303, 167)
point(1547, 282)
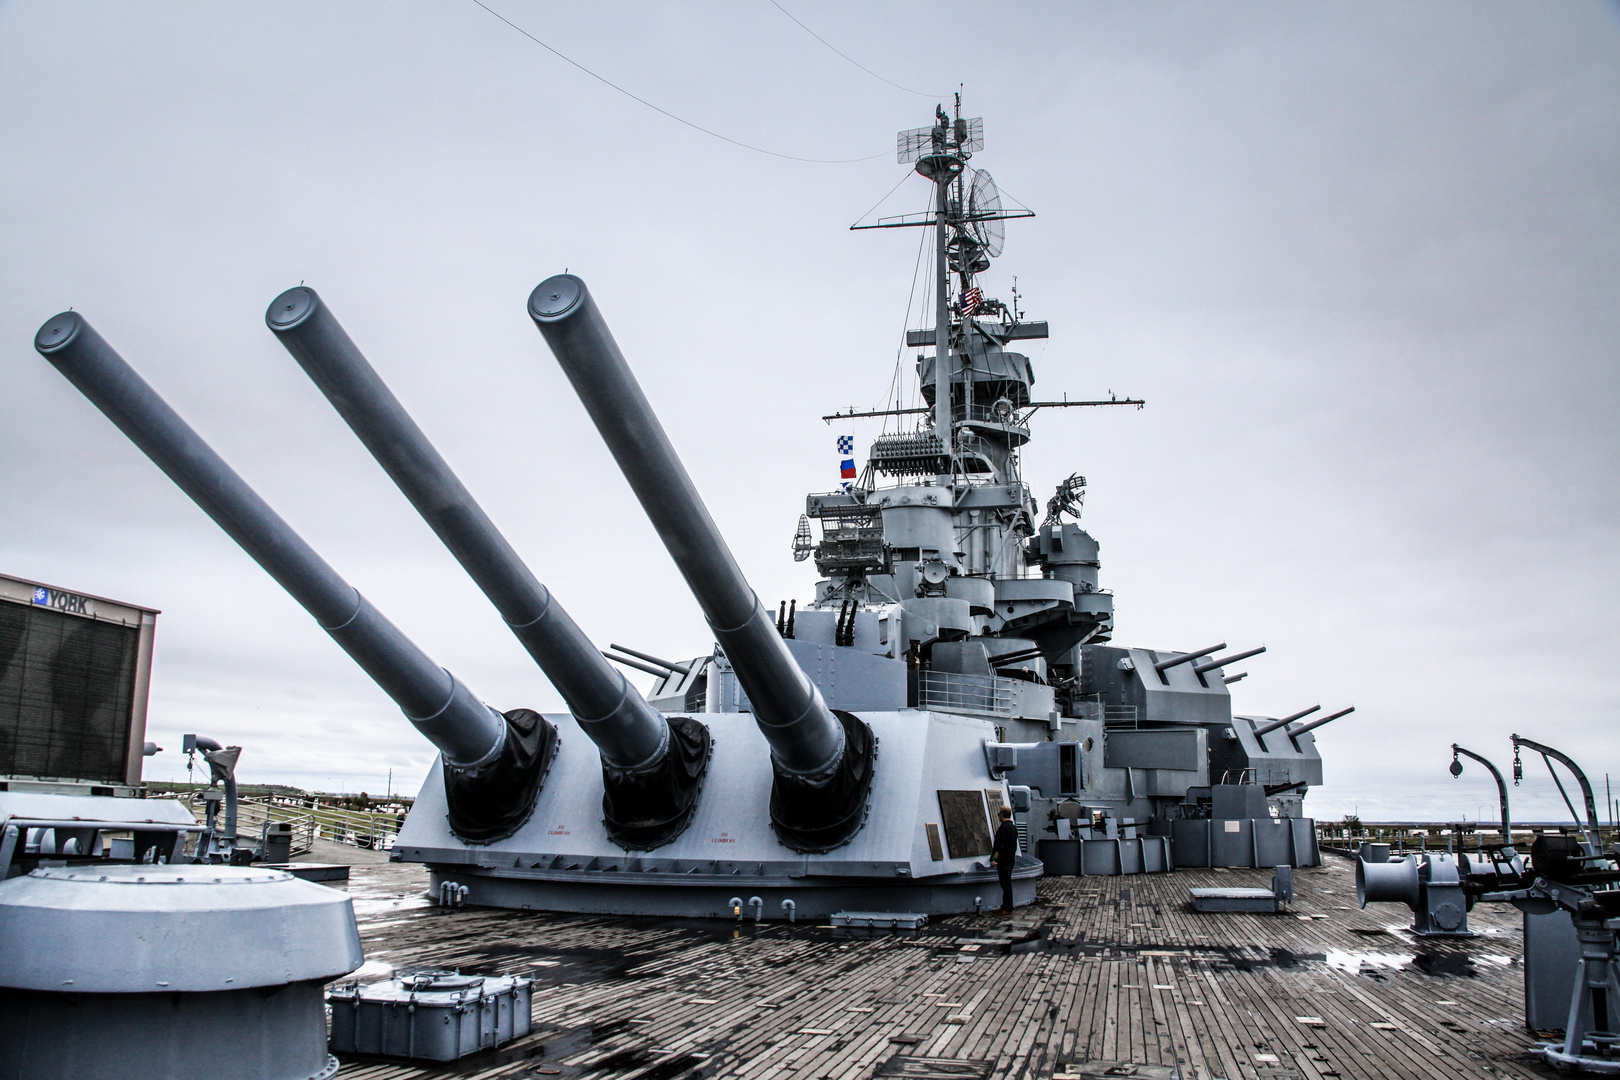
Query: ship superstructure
point(945, 580)
point(947, 586)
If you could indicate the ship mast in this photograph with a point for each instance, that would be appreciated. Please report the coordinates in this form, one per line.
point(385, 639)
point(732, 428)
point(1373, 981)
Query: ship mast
point(942, 326)
point(968, 233)
point(941, 153)
point(943, 165)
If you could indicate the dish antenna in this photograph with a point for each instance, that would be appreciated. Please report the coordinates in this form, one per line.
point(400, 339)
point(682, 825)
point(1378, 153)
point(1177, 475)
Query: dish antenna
point(984, 214)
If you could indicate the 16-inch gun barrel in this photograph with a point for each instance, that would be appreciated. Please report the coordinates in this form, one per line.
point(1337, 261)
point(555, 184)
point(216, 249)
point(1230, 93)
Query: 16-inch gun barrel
point(469, 733)
point(805, 737)
point(822, 763)
point(630, 733)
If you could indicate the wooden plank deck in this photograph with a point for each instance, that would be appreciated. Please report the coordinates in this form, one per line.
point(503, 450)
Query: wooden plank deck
point(1115, 970)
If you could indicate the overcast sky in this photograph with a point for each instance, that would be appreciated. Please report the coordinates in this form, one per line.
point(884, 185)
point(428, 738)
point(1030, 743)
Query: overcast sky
point(1361, 260)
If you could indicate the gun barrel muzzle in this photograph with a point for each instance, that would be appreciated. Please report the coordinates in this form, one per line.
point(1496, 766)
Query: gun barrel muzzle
point(1183, 658)
point(637, 664)
point(1222, 661)
point(1266, 729)
point(1314, 724)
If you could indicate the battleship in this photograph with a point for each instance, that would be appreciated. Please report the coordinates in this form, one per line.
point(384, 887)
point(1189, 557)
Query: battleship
point(774, 861)
point(853, 753)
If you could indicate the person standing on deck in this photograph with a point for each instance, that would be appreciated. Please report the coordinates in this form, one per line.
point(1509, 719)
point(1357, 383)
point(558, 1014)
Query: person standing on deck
point(1002, 854)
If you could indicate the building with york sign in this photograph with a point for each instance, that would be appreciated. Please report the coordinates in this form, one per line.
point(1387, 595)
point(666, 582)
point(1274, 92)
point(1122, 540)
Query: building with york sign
point(74, 674)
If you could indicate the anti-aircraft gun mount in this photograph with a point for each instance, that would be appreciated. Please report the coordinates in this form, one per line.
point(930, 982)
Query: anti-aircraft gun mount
point(1569, 893)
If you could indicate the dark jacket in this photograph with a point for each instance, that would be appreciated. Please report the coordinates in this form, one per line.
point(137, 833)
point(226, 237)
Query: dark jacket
point(1005, 848)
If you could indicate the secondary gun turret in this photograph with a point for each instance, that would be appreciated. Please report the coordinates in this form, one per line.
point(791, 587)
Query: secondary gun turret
point(652, 767)
point(494, 762)
point(822, 761)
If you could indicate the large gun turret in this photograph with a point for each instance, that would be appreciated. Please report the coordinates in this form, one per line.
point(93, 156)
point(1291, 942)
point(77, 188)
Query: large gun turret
point(822, 761)
point(494, 762)
point(652, 767)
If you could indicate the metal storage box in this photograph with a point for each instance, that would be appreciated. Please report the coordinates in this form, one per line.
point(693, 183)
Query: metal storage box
point(432, 1015)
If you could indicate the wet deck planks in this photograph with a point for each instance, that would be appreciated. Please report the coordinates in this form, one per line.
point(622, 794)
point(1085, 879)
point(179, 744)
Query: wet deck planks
point(1122, 971)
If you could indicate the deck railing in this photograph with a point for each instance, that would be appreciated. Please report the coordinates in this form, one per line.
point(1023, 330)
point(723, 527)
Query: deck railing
point(310, 822)
point(1119, 715)
point(324, 821)
point(949, 692)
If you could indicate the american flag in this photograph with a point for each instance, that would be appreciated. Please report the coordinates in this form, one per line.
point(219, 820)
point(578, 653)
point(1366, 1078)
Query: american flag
point(971, 299)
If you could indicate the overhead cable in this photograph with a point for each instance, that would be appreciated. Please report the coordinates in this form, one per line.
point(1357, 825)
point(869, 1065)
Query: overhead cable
point(851, 59)
point(666, 112)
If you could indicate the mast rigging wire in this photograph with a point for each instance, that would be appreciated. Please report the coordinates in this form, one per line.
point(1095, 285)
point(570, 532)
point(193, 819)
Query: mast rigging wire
point(899, 352)
point(851, 59)
point(666, 112)
point(909, 174)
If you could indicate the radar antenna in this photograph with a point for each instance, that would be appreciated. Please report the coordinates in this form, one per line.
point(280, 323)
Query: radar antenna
point(912, 145)
point(1070, 497)
point(803, 542)
point(984, 218)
